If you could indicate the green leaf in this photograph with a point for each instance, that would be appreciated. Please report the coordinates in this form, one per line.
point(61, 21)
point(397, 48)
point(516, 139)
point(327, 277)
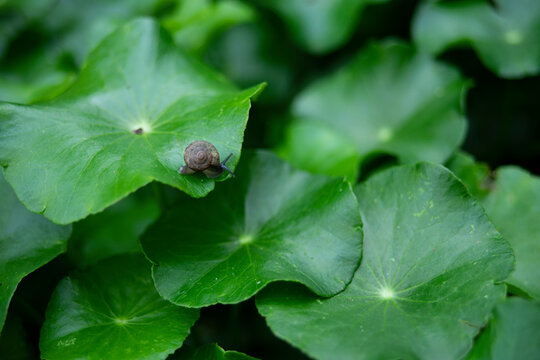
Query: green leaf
point(80, 25)
point(27, 242)
point(320, 26)
point(255, 52)
point(505, 35)
point(209, 352)
point(30, 9)
point(35, 77)
point(80, 153)
point(513, 333)
point(426, 283)
point(474, 175)
point(15, 15)
point(39, 78)
point(195, 22)
point(114, 231)
point(320, 149)
point(270, 223)
point(389, 99)
point(112, 311)
point(514, 207)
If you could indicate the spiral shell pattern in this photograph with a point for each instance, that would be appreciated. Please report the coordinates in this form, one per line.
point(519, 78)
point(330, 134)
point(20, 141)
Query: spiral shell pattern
point(200, 155)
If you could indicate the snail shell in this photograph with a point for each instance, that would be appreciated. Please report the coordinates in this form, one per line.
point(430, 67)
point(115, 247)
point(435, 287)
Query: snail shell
point(203, 156)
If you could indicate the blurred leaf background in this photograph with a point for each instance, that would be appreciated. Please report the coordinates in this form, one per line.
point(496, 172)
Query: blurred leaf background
point(43, 45)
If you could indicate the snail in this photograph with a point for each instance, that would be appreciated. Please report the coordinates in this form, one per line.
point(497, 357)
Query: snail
point(203, 156)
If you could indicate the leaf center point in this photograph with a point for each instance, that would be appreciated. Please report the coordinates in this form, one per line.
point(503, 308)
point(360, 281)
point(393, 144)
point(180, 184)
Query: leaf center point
point(386, 293)
point(245, 239)
point(141, 128)
point(121, 321)
point(385, 134)
point(513, 37)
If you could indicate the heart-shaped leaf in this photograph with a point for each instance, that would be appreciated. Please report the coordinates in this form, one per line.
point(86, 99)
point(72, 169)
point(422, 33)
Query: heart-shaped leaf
point(426, 284)
point(514, 207)
point(389, 99)
point(506, 34)
point(512, 334)
point(112, 311)
point(319, 25)
point(115, 230)
point(270, 223)
point(125, 122)
point(27, 242)
point(209, 352)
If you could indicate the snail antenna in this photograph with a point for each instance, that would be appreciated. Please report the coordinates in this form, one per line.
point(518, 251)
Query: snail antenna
point(225, 167)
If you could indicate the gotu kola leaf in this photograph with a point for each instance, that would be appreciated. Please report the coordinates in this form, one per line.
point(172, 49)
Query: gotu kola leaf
point(426, 284)
point(319, 25)
point(513, 332)
point(137, 104)
point(514, 207)
point(27, 241)
point(389, 99)
point(506, 34)
point(270, 223)
point(112, 311)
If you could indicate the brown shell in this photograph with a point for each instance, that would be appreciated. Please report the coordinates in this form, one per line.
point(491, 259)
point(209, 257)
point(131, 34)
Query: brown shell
point(200, 155)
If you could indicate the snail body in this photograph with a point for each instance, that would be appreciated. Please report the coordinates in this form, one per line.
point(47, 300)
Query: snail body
point(202, 156)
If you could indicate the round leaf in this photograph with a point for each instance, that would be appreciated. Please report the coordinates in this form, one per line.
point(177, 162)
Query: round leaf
point(27, 242)
point(319, 25)
point(506, 35)
point(112, 311)
point(426, 284)
point(389, 99)
point(125, 122)
point(514, 207)
point(513, 333)
point(270, 223)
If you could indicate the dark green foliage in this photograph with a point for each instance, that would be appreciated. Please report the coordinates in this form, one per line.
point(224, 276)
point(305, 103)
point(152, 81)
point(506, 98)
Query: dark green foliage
point(385, 201)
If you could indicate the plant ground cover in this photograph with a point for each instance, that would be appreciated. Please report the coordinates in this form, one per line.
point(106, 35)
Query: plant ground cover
point(233, 179)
